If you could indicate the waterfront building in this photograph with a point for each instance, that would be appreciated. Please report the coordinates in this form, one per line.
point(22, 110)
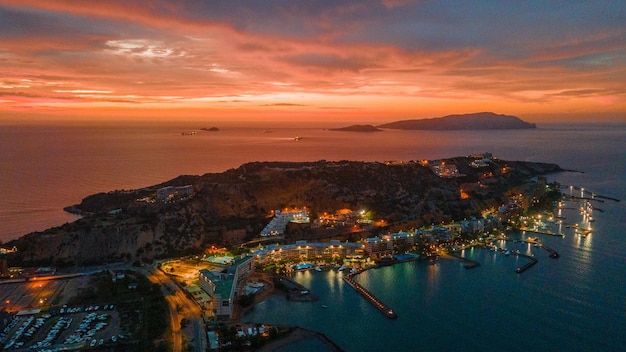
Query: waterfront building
point(377, 247)
point(301, 250)
point(441, 233)
point(400, 238)
point(222, 286)
point(374, 247)
point(220, 289)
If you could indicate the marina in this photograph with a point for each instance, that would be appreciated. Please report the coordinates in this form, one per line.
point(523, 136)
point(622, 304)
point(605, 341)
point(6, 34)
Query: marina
point(424, 289)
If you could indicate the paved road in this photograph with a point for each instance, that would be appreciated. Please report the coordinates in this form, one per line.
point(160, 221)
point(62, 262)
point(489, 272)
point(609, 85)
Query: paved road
point(157, 277)
point(180, 307)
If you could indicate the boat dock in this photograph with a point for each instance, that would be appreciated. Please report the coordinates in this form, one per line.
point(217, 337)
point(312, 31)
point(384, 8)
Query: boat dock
point(382, 307)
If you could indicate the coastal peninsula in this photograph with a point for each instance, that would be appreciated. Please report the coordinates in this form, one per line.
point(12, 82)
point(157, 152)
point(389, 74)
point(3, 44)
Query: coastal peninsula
point(184, 214)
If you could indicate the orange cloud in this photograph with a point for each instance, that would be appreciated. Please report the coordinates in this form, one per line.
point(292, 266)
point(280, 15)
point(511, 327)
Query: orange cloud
point(339, 60)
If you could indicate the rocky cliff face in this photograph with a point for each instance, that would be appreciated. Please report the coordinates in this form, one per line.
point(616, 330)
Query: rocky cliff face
point(122, 225)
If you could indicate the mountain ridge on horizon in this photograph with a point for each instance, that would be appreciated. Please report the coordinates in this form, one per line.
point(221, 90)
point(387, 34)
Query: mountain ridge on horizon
point(472, 121)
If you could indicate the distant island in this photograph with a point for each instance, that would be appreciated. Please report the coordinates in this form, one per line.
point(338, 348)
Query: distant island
point(475, 121)
point(210, 129)
point(357, 128)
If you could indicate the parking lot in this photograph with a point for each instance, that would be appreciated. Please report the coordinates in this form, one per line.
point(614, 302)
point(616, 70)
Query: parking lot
point(66, 328)
point(40, 293)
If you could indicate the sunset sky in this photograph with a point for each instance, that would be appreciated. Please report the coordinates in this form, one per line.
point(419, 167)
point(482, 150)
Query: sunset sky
point(323, 60)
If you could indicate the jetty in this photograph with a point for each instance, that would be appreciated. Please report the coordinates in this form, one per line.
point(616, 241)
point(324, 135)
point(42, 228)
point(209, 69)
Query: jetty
point(593, 194)
point(553, 253)
point(549, 233)
point(295, 291)
point(377, 303)
point(468, 263)
point(521, 269)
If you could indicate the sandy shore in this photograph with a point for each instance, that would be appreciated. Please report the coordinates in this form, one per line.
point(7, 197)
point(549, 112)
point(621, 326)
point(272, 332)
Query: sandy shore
point(268, 290)
point(295, 336)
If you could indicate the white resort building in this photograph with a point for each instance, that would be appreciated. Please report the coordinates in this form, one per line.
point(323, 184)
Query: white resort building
point(279, 222)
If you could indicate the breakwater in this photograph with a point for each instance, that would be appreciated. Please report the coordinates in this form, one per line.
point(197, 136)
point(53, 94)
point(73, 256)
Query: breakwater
point(553, 253)
point(549, 233)
point(593, 194)
point(468, 263)
point(521, 269)
point(382, 307)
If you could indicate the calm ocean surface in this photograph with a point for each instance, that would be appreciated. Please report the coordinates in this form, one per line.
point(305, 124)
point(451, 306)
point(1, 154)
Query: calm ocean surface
point(574, 303)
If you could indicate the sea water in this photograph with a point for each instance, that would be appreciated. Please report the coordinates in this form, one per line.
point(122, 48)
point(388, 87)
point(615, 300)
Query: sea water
point(574, 303)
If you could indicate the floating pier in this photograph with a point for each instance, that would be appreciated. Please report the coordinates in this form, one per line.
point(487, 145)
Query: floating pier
point(382, 307)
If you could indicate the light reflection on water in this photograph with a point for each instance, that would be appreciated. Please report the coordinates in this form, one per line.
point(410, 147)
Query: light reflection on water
point(432, 281)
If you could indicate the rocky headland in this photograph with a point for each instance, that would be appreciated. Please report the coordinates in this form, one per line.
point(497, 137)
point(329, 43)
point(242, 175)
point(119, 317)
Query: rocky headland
point(226, 208)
